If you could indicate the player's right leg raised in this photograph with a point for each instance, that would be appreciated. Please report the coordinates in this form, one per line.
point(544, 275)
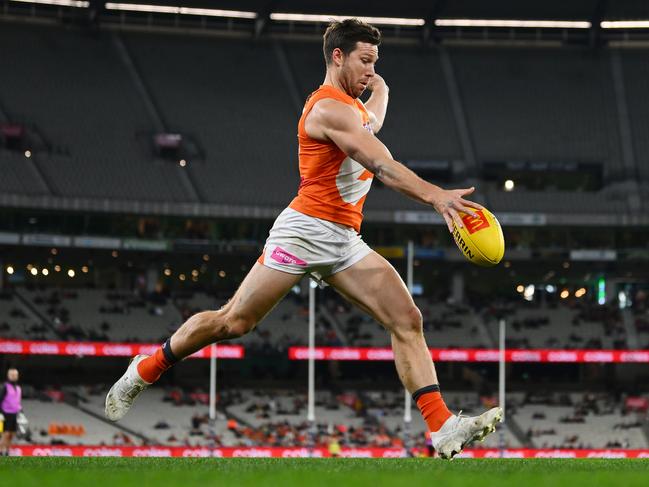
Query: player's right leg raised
point(259, 292)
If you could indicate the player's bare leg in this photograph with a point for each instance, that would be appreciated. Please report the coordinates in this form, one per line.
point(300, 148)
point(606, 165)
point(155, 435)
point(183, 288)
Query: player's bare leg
point(376, 287)
point(257, 295)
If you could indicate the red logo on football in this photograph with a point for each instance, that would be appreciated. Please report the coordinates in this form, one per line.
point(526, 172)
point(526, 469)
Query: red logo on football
point(473, 225)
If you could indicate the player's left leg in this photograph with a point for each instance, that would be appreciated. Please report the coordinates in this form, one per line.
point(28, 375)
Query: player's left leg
point(259, 292)
point(375, 286)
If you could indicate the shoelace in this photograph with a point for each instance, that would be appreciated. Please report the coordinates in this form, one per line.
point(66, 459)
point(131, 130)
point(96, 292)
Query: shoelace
point(459, 417)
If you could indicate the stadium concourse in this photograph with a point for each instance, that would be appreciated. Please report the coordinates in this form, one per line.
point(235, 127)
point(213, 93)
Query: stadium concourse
point(145, 151)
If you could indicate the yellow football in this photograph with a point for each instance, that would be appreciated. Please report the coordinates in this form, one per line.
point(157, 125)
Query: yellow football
point(480, 239)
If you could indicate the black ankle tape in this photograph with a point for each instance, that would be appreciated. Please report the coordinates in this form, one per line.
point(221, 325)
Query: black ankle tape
point(424, 390)
point(166, 350)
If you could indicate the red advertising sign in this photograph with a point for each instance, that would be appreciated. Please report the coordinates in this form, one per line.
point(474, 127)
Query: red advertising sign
point(636, 403)
point(104, 349)
point(109, 349)
point(298, 452)
point(478, 355)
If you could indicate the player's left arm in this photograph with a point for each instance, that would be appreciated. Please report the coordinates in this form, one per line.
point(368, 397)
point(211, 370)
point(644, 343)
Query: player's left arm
point(377, 104)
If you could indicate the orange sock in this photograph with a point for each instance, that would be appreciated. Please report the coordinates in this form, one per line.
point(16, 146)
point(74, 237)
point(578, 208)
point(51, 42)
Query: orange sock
point(432, 407)
point(151, 368)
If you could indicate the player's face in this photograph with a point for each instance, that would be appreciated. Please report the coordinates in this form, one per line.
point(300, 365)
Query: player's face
point(358, 68)
point(12, 375)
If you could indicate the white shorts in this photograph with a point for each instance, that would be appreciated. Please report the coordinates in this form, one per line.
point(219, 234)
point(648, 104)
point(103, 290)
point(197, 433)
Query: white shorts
point(303, 244)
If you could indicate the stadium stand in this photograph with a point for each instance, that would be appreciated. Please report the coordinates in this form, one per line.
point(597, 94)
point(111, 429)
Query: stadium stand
point(640, 318)
point(61, 423)
point(444, 326)
point(121, 315)
point(635, 73)
point(243, 118)
point(579, 420)
point(358, 418)
point(521, 104)
point(366, 409)
point(566, 325)
point(250, 418)
point(80, 314)
point(245, 418)
point(539, 104)
point(19, 322)
point(420, 124)
point(75, 89)
point(54, 420)
point(285, 325)
point(170, 417)
point(569, 325)
point(17, 175)
point(92, 314)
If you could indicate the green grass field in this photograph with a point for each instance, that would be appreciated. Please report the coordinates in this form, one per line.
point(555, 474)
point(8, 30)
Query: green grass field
point(257, 472)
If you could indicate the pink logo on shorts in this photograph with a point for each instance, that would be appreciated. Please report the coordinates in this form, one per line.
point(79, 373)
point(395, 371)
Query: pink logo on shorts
point(283, 257)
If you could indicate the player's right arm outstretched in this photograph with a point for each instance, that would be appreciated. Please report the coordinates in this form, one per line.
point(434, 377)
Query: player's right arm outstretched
point(335, 121)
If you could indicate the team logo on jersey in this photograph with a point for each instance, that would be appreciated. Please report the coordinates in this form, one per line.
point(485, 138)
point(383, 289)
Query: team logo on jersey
point(353, 181)
point(473, 225)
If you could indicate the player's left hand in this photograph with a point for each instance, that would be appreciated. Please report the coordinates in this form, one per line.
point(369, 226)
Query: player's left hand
point(377, 83)
point(450, 202)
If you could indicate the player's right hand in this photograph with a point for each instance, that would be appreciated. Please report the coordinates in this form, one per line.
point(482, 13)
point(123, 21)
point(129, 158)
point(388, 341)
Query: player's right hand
point(450, 202)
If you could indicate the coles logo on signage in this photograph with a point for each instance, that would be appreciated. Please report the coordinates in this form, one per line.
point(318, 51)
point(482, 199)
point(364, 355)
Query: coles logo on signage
point(562, 356)
point(152, 452)
point(525, 356)
point(345, 354)
point(117, 350)
point(598, 356)
point(453, 355)
point(253, 452)
point(44, 348)
point(80, 349)
point(487, 355)
point(11, 347)
point(380, 354)
point(102, 452)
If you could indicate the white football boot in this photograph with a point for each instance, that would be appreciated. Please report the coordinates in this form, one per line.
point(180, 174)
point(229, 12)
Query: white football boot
point(121, 396)
point(460, 431)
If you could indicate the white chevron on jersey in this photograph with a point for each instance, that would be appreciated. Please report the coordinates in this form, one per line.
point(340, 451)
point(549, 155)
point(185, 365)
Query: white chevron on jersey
point(352, 182)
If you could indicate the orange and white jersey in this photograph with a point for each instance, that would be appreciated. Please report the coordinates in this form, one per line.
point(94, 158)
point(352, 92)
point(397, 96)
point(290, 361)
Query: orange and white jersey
point(333, 186)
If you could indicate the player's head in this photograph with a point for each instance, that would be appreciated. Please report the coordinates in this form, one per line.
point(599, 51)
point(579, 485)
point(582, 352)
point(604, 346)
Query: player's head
point(12, 375)
point(351, 50)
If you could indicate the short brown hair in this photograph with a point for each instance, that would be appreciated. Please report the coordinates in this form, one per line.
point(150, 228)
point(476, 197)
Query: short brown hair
point(345, 34)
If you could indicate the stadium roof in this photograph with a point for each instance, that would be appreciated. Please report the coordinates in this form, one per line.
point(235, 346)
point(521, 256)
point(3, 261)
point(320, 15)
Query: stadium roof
point(495, 9)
